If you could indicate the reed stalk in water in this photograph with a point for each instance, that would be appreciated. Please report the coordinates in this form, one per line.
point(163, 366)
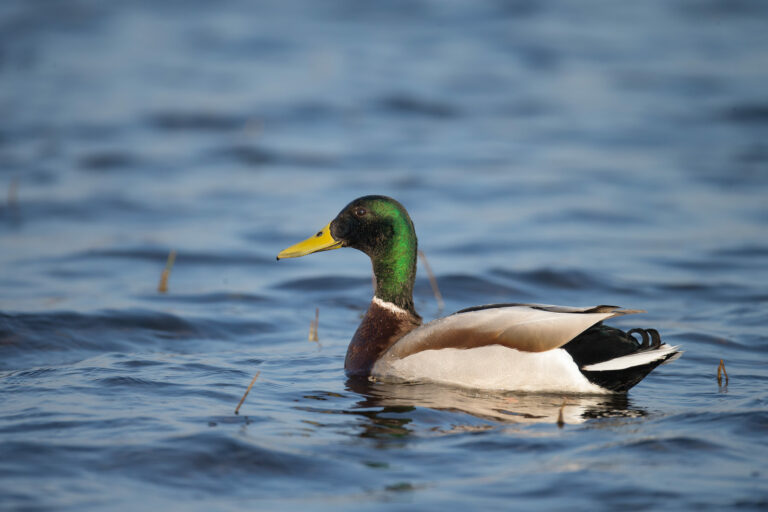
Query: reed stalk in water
point(720, 372)
point(433, 283)
point(560, 421)
point(163, 286)
point(248, 390)
point(313, 326)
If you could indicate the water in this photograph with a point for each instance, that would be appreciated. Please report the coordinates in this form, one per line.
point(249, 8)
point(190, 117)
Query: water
point(579, 154)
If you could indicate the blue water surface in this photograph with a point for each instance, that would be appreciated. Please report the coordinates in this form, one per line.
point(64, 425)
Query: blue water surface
point(575, 153)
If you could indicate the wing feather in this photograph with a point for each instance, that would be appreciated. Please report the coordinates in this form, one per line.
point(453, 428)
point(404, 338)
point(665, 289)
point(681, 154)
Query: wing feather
point(525, 327)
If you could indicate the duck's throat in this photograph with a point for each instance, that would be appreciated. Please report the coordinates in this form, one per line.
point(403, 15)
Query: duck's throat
point(394, 276)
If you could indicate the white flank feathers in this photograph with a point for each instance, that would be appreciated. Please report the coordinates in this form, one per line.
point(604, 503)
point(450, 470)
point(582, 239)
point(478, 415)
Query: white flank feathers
point(490, 367)
point(636, 359)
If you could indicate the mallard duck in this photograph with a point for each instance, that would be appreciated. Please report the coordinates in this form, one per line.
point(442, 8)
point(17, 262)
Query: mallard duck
point(521, 347)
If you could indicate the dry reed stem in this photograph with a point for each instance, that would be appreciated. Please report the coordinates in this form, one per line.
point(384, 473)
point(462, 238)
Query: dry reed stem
point(433, 283)
point(313, 326)
point(163, 286)
point(248, 390)
point(720, 372)
point(560, 421)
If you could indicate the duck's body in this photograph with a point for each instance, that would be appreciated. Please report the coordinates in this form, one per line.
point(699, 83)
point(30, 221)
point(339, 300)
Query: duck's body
point(524, 347)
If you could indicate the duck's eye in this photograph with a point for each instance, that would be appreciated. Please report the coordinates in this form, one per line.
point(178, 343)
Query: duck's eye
point(360, 211)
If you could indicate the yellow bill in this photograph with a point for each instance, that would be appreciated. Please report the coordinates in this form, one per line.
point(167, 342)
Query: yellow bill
point(322, 241)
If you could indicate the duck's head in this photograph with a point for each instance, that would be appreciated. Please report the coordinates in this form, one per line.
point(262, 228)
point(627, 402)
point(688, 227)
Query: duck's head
point(380, 227)
point(369, 224)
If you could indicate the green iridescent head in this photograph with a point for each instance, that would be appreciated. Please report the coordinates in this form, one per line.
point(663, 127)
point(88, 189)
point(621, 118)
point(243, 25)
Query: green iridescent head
point(380, 227)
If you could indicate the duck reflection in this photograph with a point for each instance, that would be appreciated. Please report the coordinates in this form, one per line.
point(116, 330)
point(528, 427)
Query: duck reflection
point(505, 407)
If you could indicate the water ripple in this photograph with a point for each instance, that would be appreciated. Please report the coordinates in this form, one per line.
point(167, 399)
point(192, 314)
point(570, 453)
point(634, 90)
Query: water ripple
point(196, 121)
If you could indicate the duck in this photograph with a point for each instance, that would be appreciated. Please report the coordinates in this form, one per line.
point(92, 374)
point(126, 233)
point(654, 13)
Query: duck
point(508, 347)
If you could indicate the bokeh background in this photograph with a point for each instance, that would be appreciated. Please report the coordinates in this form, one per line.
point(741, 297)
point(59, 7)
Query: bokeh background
point(548, 151)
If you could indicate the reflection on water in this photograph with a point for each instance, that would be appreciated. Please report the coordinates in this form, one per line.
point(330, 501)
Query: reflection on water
point(506, 407)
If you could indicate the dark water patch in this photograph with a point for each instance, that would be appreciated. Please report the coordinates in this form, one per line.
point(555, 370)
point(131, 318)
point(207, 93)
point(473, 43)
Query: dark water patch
point(202, 369)
point(307, 112)
point(324, 283)
point(638, 496)
point(216, 462)
point(396, 11)
point(747, 251)
point(406, 104)
point(139, 363)
point(71, 335)
point(526, 108)
point(250, 46)
point(750, 314)
point(753, 504)
point(323, 395)
point(134, 382)
point(272, 233)
point(674, 445)
point(62, 426)
point(747, 113)
point(707, 290)
point(695, 262)
point(718, 10)
point(299, 113)
point(538, 57)
point(81, 209)
point(80, 273)
point(108, 161)
point(21, 179)
point(472, 247)
point(14, 283)
point(160, 255)
point(744, 421)
point(610, 217)
point(250, 361)
point(20, 25)
point(208, 298)
point(43, 459)
point(469, 286)
point(690, 85)
point(249, 155)
point(29, 414)
point(708, 339)
point(196, 121)
point(258, 156)
point(21, 375)
point(492, 444)
point(96, 132)
point(693, 287)
point(232, 419)
point(564, 279)
point(753, 155)
point(215, 396)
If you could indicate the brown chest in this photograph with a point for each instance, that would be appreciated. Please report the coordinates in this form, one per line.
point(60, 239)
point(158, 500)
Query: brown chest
point(378, 331)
